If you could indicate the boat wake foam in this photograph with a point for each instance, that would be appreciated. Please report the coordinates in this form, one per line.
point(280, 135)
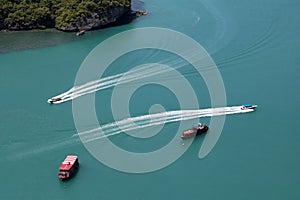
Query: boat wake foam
point(129, 124)
point(144, 71)
point(145, 121)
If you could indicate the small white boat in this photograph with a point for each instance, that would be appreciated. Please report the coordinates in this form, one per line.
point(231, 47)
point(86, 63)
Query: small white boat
point(80, 33)
point(249, 106)
point(53, 100)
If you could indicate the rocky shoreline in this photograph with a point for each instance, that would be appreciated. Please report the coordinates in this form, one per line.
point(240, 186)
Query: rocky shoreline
point(118, 16)
point(95, 22)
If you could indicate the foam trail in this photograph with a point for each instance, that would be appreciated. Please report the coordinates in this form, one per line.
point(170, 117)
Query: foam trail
point(130, 124)
point(156, 119)
point(91, 83)
point(107, 83)
point(111, 81)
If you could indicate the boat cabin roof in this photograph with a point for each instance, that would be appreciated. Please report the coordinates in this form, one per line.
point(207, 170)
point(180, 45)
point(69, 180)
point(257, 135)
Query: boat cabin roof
point(68, 163)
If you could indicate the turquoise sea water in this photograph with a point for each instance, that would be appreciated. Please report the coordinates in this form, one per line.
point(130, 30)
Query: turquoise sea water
point(255, 45)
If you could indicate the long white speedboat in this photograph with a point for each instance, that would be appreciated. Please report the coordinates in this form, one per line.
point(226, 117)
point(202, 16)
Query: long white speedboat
point(53, 100)
point(249, 106)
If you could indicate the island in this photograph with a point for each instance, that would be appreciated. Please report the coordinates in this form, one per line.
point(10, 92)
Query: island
point(65, 15)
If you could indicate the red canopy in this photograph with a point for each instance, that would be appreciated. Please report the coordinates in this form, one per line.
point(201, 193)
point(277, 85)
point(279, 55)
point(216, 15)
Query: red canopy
point(68, 163)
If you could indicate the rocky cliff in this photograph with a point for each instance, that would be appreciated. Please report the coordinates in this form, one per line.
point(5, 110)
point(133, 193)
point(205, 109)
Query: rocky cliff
point(96, 20)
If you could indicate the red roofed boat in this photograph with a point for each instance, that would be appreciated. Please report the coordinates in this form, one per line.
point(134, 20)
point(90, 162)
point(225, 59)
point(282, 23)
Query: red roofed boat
point(68, 167)
point(194, 131)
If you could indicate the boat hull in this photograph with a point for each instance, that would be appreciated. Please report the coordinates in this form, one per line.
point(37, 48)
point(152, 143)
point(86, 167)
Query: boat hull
point(194, 132)
point(72, 173)
point(68, 168)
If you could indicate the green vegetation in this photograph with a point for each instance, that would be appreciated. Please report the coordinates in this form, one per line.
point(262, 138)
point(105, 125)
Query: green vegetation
point(31, 14)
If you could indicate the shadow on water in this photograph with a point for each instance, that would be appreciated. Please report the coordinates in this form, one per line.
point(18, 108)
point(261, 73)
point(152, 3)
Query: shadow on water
point(20, 40)
point(68, 182)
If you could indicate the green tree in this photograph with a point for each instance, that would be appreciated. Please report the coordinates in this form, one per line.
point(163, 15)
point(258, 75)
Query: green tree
point(28, 14)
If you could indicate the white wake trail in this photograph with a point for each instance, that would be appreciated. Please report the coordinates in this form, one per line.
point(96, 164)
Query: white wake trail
point(145, 71)
point(130, 124)
point(154, 120)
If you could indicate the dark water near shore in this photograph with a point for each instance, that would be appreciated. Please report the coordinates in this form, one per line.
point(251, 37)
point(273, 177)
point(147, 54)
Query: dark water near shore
point(20, 40)
point(255, 45)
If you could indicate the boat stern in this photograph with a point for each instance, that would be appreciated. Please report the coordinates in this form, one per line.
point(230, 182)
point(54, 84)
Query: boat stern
point(63, 175)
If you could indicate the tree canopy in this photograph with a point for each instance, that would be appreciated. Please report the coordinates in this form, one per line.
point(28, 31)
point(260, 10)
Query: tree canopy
point(31, 14)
